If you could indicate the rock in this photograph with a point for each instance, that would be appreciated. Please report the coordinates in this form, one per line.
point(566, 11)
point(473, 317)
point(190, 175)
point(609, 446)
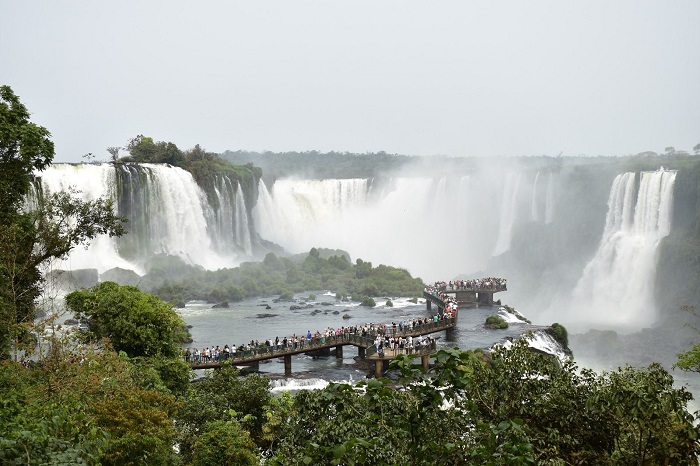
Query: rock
point(335, 313)
point(70, 322)
point(294, 307)
point(121, 276)
point(223, 305)
point(265, 316)
point(68, 281)
point(268, 307)
point(346, 316)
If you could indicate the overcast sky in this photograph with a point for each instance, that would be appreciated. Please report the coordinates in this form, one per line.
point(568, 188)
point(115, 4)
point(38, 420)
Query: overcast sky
point(459, 78)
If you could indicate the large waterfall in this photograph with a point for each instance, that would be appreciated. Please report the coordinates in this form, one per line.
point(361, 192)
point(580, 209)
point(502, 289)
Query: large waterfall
point(167, 212)
point(410, 222)
point(616, 289)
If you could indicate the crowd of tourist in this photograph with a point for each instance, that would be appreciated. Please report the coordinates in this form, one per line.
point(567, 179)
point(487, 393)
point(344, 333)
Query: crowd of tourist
point(395, 336)
point(392, 335)
point(485, 284)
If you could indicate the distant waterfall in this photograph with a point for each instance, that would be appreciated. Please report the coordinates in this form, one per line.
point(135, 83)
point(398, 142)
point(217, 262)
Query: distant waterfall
point(298, 213)
point(401, 221)
point(167, 212)
point(618, 283)
point(549, 200)
point(534, 211)
point(509, 211)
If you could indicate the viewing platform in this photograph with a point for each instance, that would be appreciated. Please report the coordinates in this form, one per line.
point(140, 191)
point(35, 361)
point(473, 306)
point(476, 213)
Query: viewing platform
point(366, 348)
point(380, 343)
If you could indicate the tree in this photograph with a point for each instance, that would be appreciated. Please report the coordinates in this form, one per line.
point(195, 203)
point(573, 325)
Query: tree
point(135, 322)
point(696, 149)
point(24, 148)
point(114, 153)
point(34, 229)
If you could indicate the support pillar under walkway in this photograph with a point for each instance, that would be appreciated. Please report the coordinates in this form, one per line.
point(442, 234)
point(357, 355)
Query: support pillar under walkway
point(287, 365)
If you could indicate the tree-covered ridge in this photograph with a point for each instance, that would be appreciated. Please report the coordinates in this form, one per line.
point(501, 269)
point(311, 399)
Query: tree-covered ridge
point(283, 275)
point(204, 166)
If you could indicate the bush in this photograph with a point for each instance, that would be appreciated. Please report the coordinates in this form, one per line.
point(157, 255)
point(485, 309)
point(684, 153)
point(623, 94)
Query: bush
point(367, 301)
point(560, 334)
point(413, 300)
point(496, 322)
point(389, 303)
point(286, 296)
point(312, 297)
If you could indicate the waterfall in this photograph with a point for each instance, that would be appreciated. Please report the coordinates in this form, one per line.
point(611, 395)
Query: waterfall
point(402, 221)
point(509, 210)
point(534, 214)
point(298, 214)
point(241, 223)
point(617, 285)
point(167, 212)
point(549, 200)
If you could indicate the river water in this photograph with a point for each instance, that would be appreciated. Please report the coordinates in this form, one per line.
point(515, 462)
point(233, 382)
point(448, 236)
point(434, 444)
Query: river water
point(251, 319)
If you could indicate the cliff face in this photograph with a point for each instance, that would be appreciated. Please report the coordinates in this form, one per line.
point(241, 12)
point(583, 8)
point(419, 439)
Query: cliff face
point(678, 268)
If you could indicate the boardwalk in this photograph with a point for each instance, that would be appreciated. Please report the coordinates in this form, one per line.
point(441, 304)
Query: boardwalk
point(447, 296)
point(365, 345)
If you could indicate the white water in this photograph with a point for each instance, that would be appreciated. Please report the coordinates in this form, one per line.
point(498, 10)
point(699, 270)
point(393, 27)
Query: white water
point(509, 212)
point(168, 214)
point(401, 221)
point(616, 288)
point(534, 210)
point(93, 182)
point(549, 200)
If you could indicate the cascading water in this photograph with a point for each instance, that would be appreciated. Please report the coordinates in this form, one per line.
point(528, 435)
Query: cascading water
point(509, 211)
point(241, 223)
point(617, 285)
point(549, 200)
point(399, 221)
point(534, 210)
point(167, 212)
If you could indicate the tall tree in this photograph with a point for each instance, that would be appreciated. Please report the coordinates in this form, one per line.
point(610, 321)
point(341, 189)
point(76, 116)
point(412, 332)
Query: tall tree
point(34, 233)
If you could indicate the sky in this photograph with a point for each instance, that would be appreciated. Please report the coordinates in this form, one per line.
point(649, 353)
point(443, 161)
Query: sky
point(456, 78)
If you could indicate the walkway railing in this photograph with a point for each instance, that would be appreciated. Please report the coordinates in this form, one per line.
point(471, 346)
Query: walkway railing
point(366, 342)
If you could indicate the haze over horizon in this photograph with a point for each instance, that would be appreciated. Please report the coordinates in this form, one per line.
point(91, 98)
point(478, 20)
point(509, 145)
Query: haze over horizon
point(456, 78)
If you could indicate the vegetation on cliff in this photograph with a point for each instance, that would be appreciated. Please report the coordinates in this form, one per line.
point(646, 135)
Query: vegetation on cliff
point(204, 166)
point(283, 275)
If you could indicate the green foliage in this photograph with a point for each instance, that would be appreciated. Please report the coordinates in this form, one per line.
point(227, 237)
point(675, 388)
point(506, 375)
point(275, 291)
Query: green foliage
point(90, 411)
point(48, 229)
point(389, 303)
point(224, 443)
point(277, 275)
point(206, 167)
point(513, 406)
point(137, 323)
point(496, 322)
point(212, 399)
point(286, 296)
point(366, 301)
point(24, 147)
point(560, 334)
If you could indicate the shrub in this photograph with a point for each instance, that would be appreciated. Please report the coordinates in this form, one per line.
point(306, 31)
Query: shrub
point(367, 301)
point(286, 296)
point(560, 334)
point(496, 322)
point(389, 303)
